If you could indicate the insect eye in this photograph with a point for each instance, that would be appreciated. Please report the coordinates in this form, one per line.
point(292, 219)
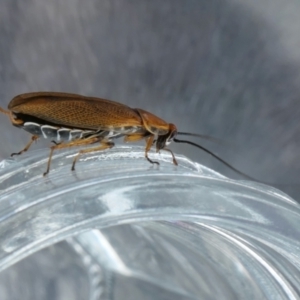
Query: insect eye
point(169, 139)
point(172, 135)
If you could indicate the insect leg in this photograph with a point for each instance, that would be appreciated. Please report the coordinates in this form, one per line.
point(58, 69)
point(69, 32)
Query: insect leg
point(15, 121)
point(149, 143)
point(6, 112)
point(67, 145)
point(174, 159)
point(134, 137)
point(33, 138)
point(104, 145)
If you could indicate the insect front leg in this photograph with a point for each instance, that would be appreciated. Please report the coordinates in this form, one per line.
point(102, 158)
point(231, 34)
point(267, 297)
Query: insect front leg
point(149, 143)
point(173, 156)
point(33, 138)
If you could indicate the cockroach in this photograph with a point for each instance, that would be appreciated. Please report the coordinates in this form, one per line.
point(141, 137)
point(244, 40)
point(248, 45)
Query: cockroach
point(73, 120)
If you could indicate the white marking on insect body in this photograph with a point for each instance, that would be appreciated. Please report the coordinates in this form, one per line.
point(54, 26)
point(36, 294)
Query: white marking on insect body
point(110, 134)
point(63, 134)
point(33, 128)
point(75, 134)
point(49, 132)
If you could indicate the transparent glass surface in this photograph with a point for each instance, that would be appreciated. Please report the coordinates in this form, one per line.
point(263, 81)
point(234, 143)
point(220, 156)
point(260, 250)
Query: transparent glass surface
point(119, 228)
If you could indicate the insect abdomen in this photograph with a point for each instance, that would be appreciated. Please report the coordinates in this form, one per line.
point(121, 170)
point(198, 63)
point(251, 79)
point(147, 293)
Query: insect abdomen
point(62, 134)
point(58, 134)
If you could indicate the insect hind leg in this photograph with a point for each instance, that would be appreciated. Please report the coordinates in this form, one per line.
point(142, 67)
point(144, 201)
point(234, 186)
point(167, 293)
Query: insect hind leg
point(15, 121)
point(68, 145)
point(104, 145)
point(33, 138)
point(6, 112)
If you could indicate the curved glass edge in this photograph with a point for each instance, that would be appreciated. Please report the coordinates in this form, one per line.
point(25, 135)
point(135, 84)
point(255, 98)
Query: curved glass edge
point(29, 164)
point(162, 253)
point(119, 186)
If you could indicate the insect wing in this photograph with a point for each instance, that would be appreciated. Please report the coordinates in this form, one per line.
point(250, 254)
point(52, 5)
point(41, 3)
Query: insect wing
point(75, 111)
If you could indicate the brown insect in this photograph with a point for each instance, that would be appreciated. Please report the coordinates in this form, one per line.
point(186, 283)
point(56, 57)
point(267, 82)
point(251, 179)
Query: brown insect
point(74, 120)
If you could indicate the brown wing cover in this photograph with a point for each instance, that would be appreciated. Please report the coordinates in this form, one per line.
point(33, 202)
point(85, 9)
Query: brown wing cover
point(75, 110)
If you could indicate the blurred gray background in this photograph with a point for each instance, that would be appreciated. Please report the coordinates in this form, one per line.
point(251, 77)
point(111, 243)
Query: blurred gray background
point(227, 68)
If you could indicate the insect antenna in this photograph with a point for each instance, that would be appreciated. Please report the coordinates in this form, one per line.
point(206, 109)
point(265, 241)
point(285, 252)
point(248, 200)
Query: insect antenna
point(215, 156)
point(278, 185)
point(205, 137)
